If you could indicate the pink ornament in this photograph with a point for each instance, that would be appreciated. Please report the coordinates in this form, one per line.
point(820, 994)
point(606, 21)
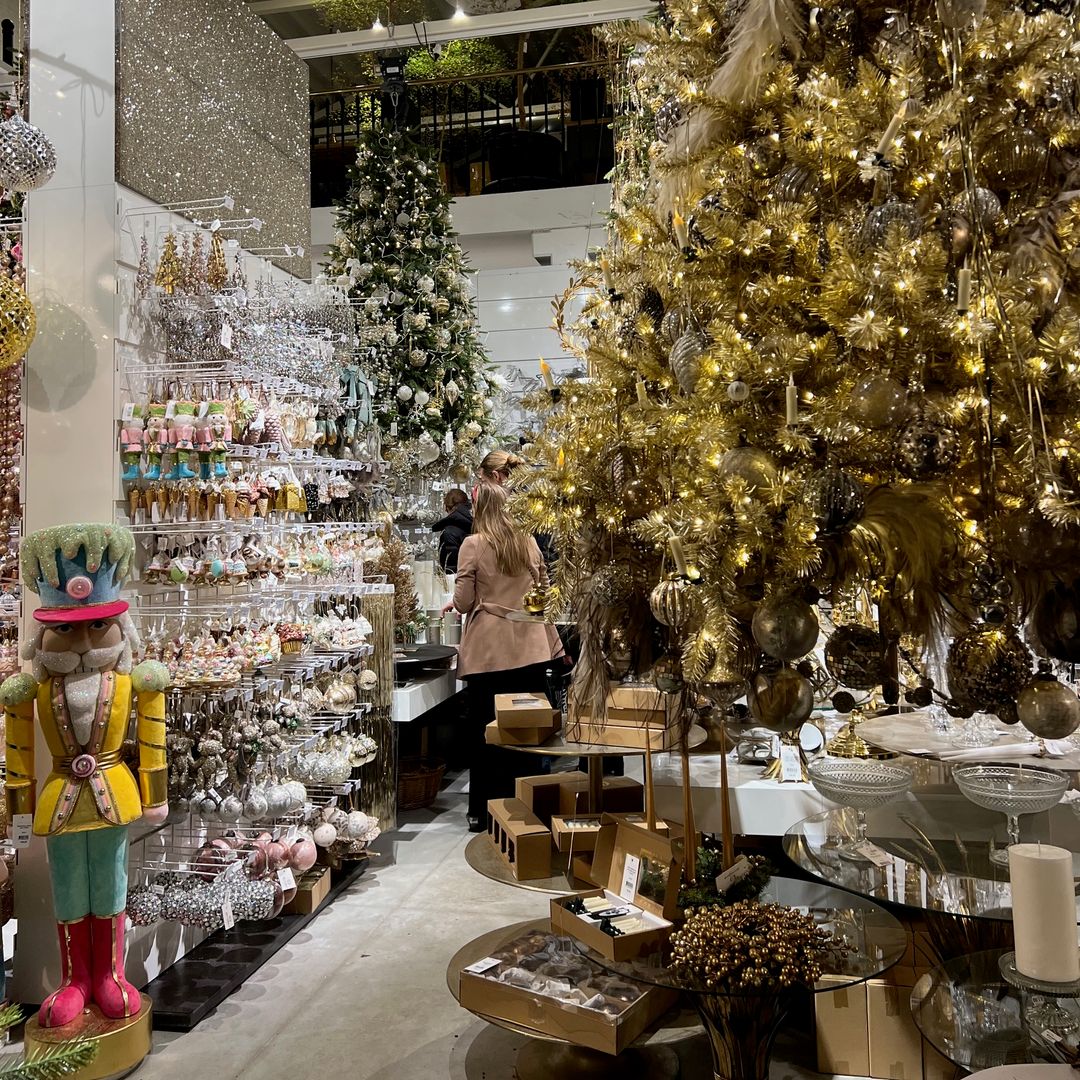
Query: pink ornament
point(277, 854)
point(302, 856)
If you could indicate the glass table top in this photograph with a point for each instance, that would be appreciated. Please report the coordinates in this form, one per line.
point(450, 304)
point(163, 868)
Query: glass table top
point(935, 849)
point(875, 939)
point(978, 1021)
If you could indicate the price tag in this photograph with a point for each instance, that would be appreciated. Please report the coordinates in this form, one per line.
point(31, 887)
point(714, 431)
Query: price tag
point(290, 836)
point(170, 410)
point(631, 873)
point(285, 878)
point(482, 965)
point(790, 765)
point(21, 828)
point(128, 412)
point(235, 867)
point(203, 407)
point(228, 920)
point(393, 427)
point(226, 336)
point(157, 890)
point(874, 854)
point(733, 874)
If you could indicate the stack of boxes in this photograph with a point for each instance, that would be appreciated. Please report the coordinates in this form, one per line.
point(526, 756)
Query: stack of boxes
point(522, 720)
point(637, 717)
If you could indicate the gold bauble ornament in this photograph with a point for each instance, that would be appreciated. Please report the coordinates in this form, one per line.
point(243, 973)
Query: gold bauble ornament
point(18, 323)
point(638, 498)
point(754, 467)
point(1013, 157)
point(782, 703)
point(785, 627)
point(1047, 708)
point(878, 401)
point(987, 667)
point(675, 603)
point(534, 601)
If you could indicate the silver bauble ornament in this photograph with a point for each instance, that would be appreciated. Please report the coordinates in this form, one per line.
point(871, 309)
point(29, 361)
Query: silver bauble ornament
point(794, 183)
point(686, 356)
point(891, 216)
point(836, 499)
point(782, 703)
point(785, 627)
point(877, 401)
point(737, 390)
point(674, 602)
point(27, 157)
point(1047, 708)
point(754, 467)
point(926, 448)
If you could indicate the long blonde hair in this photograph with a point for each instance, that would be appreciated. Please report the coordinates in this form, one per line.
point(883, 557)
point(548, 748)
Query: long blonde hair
point(491, 520)
point(498, 465)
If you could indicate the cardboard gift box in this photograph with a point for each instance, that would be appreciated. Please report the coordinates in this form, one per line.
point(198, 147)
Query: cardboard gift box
point(543, 794)
point(521, 838)
point(311, 890)
point(638, 871)
point(523, 711)
point(524, 736)
point(482, 991)
point(638, 737)
point(622, 795)
point(578, 833)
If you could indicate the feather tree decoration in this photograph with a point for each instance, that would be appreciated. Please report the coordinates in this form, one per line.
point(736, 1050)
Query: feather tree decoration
point(753, 46)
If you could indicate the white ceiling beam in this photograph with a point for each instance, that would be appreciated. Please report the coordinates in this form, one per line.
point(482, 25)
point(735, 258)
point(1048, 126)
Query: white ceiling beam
point(587, 13)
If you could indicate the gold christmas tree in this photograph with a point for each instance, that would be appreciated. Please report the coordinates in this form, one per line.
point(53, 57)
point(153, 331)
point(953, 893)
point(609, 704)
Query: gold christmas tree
point(217, 273)
point(834, 348)
point(170, 271)
point(395, 563)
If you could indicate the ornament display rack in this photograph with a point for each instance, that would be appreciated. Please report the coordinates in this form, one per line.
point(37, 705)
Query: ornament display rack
point(266, 361)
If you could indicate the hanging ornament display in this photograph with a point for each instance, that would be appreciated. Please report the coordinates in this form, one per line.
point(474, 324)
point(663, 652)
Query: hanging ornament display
point(756, 468)
point(27, 157)
point(686, 356)
point(674, 602)
point(1056, 620)
point(782, 703)
point(836, 500)
point(18, 323)
point(855, 656)
point(891, 216)
point(1047, 708)
point(878, 401)
point(987, 667)
point(785, 627)
point(926, 448)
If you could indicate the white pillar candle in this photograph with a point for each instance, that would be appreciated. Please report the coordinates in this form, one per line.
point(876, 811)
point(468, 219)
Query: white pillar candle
point(791, 401)
point(1044, 912)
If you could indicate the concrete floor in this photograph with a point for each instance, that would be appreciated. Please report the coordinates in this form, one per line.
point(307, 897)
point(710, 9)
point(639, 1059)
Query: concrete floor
point(362, 992)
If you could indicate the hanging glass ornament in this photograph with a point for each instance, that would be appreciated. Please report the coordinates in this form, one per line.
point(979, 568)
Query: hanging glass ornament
point(1014, 157)
point(1047, 708)
point(27, 157)
point(613, 585)
point(737, 391)
point(987, 667)
point(855, 656)
point(18, 323)
point(764, 156)
point(754, 467)
point(981, 207)
point(891, 215)
point(674, 602)
point(794, 183)
point(785, 627)
point(452, 392)
point(836, 499)
point(672, 326)
point(685, 359)
point(782, 703)
point(668, 117)
point(667, 674)
point(926, 448)
point(638, 499)
point(1057, 622)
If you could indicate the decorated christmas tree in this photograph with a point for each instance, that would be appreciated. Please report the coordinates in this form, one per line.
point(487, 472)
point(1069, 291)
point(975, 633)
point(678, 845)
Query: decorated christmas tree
point(398, 258)
point(834, 344)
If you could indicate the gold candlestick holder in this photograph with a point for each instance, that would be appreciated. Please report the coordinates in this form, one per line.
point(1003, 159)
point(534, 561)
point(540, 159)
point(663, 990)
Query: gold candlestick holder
point(848, 743)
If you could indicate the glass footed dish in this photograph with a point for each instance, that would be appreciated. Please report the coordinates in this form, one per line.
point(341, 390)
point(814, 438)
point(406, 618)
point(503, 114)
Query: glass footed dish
point(1012, 790)
point(861, 785)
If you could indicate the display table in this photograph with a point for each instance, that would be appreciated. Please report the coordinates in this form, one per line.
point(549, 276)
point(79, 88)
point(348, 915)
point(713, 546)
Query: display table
point(545, 1057)
point(423, 693)
point(742, 1026)
point(969, 1013)
point(483, 856)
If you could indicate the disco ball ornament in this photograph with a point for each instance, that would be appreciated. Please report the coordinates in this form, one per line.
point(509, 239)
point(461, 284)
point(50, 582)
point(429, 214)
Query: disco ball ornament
point(667, 674)
point(892, 216)
point(685, 358)
point(836, 500)
point(987, 667)
point(674, 602)
point(926, 448)
point(785, 627)
point(27, 157)
point(18, 323)
point(1047, 708)
point(613, 585)
point(1013, 157)
point(877, 401)
point(754, 467)
point(1057, 622)
point(782, 703)
point(855, 656)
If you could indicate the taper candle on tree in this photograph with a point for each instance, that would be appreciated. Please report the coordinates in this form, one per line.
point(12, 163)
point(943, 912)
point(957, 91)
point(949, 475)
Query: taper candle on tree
point(963, 289)
point(1044, 912)
point(545, 374)
point(677, 553)
point(892, 131)
point(791, 401)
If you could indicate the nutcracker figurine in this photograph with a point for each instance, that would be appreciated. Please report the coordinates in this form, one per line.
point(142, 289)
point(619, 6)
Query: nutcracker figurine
point(82, 685)
point(155, 439)
point(132, 436)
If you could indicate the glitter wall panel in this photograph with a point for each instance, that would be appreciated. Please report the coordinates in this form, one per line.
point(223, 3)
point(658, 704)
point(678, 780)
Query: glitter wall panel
point(210, 101)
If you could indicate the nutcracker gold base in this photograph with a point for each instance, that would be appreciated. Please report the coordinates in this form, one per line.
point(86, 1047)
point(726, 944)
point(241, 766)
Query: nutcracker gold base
point(122, 1044)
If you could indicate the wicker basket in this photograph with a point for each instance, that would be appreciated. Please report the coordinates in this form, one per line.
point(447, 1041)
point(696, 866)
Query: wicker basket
point(418, 783)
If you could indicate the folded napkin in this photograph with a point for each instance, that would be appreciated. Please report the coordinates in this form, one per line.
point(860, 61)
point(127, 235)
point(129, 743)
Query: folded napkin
point(1040, 748)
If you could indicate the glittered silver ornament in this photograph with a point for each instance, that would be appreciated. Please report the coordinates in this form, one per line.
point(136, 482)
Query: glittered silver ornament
point(987, 667)
point(891, 216)
point(785, 627)
point(737, 391)
point(855, 656)
point(686, 356)
point(27, 157)
point(836, 499)
point(926, 448)
point(1047, 708)
point(672, 326)
point(143, 906)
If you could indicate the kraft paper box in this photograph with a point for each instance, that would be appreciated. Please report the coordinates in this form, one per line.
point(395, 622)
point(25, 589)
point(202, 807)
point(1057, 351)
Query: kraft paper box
point(576, 834)
point(311, 890)
point(584, 730)
point(895, 1041)
point(842, 1039)
point(521, 838)
point(523, 711)
point(622, 794)
point(543, 794)
point(497, 736)
point(481, 992)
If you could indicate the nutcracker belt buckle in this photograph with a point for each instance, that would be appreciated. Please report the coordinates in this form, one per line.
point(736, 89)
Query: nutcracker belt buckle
point(85, 765)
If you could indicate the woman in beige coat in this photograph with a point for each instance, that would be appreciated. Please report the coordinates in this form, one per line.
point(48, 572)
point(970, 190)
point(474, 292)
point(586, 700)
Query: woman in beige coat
point(497, 565)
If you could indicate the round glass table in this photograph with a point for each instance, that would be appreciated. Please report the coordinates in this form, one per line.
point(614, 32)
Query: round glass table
point(934, 855)
point(969, 1013)
point(742, 1026)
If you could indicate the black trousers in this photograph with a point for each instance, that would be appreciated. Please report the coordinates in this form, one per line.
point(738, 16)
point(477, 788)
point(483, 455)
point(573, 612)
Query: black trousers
point(493, 769)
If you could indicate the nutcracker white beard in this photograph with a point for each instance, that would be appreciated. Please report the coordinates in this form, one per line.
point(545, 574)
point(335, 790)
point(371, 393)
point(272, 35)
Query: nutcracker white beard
point(46, 663)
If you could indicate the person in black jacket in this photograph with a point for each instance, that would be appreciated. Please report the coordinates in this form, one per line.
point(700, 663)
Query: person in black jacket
point(454, 528)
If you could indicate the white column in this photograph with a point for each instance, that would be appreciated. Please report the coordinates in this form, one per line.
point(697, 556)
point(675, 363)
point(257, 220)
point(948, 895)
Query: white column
point(70, 428)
